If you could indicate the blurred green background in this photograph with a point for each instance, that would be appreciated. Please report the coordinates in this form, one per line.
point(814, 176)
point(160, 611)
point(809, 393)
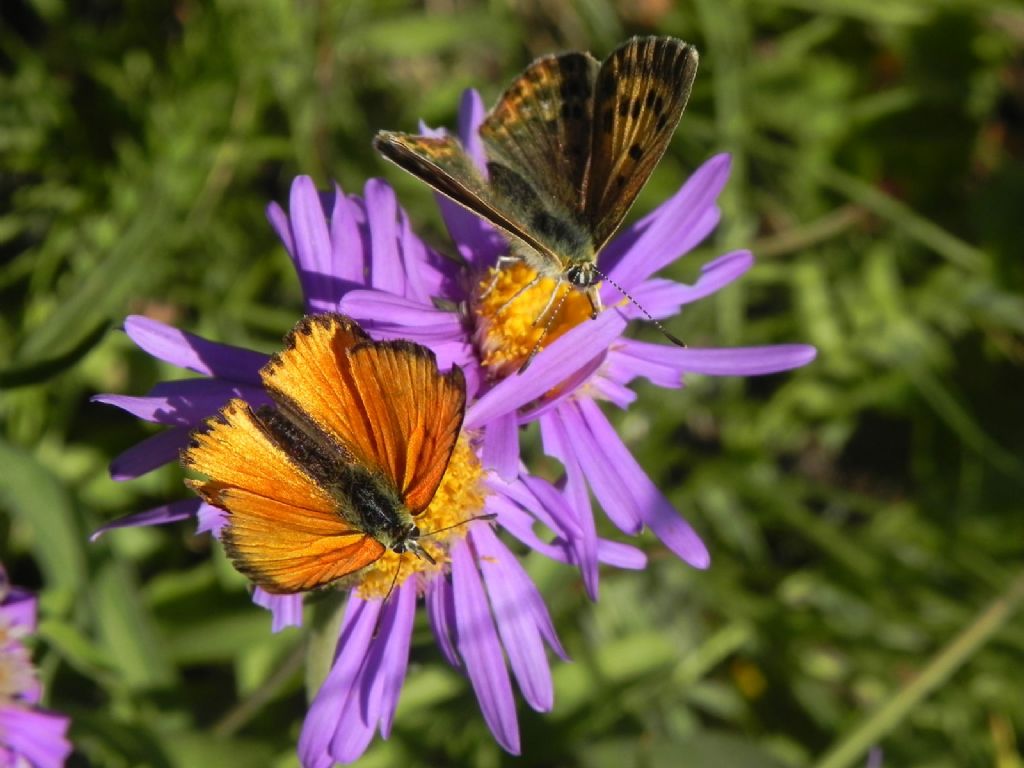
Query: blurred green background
point(864, 513)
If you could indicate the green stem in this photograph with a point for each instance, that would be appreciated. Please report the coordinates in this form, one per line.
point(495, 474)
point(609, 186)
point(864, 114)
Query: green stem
point(249, 707)
point(855, 746)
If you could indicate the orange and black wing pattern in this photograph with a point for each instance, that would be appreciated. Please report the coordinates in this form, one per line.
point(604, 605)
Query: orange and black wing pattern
point(641, 92)
point(284, 531)
point(383, 402)
point(541, 127)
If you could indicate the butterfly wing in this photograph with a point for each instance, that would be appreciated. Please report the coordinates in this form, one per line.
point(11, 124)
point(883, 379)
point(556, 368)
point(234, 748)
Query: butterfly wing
point(442, 163)
point(541, 128)
point(641, 91)
point(383, 402)
point(284, 530)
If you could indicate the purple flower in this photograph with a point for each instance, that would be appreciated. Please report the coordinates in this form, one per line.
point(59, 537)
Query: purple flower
point(29, 735)
point(582, 361)
point(487, 616)
point(483, 610)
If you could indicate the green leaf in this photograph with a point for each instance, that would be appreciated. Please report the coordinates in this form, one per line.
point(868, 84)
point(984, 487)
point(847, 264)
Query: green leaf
point(35, 371)
point(102, 295)
point(42, 505)
point(127, 629)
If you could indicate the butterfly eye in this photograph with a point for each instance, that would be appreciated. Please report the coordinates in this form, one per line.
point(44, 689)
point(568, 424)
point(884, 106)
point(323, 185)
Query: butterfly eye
point(580, 275)
point(414, 532)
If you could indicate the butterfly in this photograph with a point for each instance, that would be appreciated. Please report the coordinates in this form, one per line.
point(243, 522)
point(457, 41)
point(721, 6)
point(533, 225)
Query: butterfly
point(569, 146)
point(324, 482)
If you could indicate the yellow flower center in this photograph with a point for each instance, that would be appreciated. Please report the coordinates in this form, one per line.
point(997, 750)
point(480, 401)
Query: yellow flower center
point(510, 326)
point(459, 497)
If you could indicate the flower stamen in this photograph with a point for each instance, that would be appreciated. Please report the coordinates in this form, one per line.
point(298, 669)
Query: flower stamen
point(510, 306)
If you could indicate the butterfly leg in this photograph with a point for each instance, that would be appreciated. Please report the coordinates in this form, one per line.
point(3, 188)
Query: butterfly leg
point(519, 293)
point(543, 333)
point(594, 295)
point(551, 300)
point(501, 262)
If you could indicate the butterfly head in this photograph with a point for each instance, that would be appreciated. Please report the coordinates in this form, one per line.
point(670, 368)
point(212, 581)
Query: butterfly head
point(582, 275)
point(408, 541)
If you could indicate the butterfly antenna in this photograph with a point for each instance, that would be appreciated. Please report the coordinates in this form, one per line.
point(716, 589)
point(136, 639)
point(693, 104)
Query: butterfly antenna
point(544, 333)
point(671, 337)
point(489, 516)
point(394, 581)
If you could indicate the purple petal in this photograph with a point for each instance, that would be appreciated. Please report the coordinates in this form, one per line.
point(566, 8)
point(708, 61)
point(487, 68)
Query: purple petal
point(153, 452)
point(313, 253)
point(553, 365)
point(391, 646)
point(185, 403)
point(518, 523)
point(568, 388)
point(481, 651)
point(210, 519)
point(285, 610)
point(360, 713)
point(632, 487)
point(514, 603)
point(609, 387)
point(471, 116)
point(162, 515)
point(189, 351)
point(348, 251)
point(279, 221)
point(382, 213)
point(599, 452)
point(674, 532)
point(18, 608)
point(560, 442)
point(548, 505)
point(734, 361)
point(668, 232)
point(501, 446)
point(388, 312)
point(627, 361)
point(36, 735)
point(422, 279)
point(617, 479)
point(324, 715)
point(620, 555)
point(441, 613)
point(662, 298)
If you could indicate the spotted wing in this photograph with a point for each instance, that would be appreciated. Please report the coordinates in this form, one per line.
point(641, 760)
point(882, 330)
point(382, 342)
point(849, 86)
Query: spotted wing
point(641, 92)
point(283, 530)
point(383, 403)
point(541, 128)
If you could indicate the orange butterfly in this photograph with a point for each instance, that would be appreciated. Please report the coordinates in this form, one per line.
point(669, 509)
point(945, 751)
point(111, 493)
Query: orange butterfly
point(329, 480)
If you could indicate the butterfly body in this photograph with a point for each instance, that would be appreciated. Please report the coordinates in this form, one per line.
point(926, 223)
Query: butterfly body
point(334, 475)
point(364, 499)
point(569, 146)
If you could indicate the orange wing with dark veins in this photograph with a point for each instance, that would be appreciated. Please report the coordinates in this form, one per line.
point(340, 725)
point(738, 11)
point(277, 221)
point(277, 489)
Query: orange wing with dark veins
point(284, 530)
point(641, 92)
point(383, 402)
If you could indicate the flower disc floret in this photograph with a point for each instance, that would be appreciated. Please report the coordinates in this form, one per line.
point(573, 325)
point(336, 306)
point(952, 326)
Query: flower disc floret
point(511, 315)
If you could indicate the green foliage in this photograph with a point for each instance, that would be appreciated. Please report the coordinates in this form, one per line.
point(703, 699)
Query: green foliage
point(861, 512)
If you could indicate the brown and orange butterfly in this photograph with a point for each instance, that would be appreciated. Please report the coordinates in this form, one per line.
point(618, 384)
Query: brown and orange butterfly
point(569, 147)
point(331, 478)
